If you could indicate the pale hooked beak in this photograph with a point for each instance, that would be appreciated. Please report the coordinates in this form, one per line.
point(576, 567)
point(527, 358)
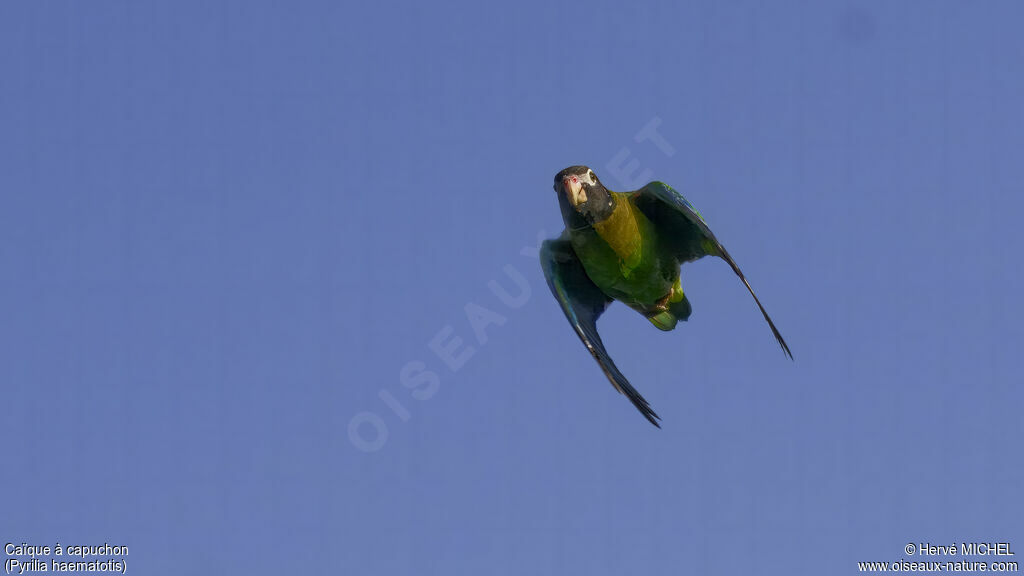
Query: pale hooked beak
point(574, 188)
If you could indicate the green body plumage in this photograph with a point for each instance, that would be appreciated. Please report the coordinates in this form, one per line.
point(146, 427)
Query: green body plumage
point(625, 257)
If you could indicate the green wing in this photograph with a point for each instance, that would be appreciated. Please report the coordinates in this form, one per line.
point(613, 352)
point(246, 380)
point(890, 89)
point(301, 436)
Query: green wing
point(689, 237)
point(583, 303)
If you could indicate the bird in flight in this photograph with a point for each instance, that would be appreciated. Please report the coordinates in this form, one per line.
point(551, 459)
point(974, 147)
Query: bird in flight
point(626, 246)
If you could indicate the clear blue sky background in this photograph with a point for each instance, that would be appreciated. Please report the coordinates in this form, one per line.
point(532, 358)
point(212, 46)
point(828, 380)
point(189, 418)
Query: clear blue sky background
point(226, 228)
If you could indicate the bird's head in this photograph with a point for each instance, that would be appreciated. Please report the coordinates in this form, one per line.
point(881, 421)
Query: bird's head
point(579, 189)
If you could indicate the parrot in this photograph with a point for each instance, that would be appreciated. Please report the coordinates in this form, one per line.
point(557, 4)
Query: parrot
point(626, 246)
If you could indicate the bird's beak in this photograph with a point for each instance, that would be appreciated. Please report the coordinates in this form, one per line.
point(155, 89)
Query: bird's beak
point(575, 191)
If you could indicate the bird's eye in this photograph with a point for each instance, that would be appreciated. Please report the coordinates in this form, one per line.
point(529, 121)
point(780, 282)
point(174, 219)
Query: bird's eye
point(593, 176)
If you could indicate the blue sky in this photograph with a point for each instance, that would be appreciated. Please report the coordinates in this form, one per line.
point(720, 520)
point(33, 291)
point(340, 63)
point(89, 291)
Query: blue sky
point(230, 230)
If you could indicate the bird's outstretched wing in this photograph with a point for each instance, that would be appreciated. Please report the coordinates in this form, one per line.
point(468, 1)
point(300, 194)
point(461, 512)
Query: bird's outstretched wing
point(690, 236)
point(583, 302)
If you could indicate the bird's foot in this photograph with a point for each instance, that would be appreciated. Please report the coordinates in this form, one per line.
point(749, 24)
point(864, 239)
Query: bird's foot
point(662, 305)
